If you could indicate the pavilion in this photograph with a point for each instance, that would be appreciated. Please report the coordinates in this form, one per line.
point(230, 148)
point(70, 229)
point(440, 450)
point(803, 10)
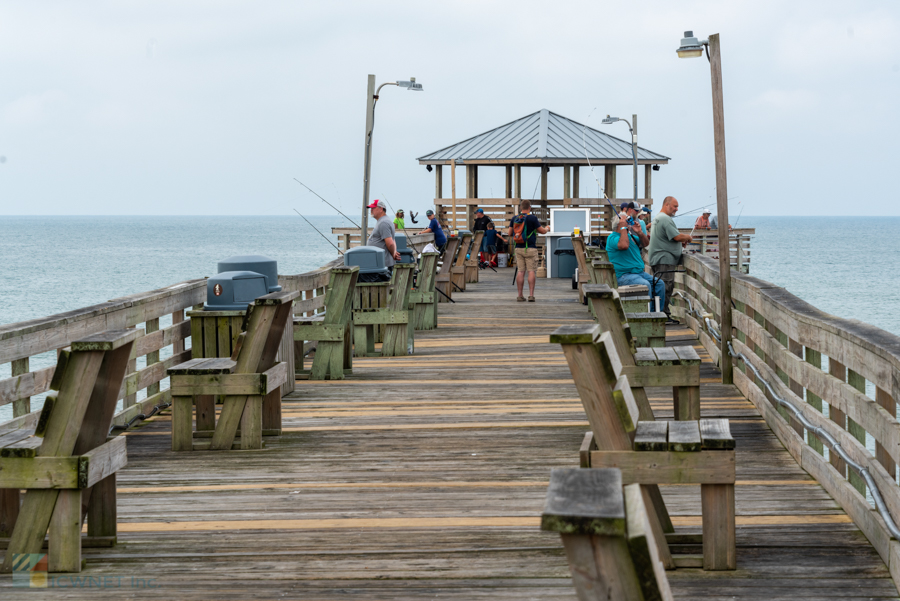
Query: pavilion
point(545, 140)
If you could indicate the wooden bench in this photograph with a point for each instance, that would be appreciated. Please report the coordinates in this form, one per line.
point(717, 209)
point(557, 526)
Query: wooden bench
point(423, 298)
point(332, 330)
point(605, 529)
point(650, 452)
point(249, 381)
point(67, 464)
point(458, 270)
point(678, 366)
point(472, 268)
point(444, 282)
point(399, 333)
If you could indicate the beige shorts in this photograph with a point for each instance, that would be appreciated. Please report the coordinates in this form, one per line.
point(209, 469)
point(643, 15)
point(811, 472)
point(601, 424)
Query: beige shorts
point(526, 259)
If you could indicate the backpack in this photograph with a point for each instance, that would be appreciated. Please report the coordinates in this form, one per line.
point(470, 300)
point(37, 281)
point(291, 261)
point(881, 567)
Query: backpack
point(519, 233)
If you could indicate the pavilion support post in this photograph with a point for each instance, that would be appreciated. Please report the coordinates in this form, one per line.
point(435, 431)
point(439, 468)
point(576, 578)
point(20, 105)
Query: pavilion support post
point(609, 181)
point(518, 182)
point(567, 183)
point(509, 182)
point(453, 193)
point(545, 172)
point(438, 181)
point(576, 181)
point(648, 175)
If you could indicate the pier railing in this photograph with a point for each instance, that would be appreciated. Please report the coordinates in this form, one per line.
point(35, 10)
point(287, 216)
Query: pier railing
point(842, 375)
point(348, 237)
point(166, 342)
point(706, 242)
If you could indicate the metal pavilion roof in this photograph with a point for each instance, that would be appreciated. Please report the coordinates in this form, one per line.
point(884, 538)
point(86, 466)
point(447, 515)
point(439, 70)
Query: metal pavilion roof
point(542, 137)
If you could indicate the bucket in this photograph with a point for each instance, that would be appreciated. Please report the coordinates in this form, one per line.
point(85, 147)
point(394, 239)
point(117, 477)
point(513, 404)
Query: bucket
point(502, 259)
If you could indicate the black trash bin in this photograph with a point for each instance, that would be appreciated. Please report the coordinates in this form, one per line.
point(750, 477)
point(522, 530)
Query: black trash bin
point(370, 260)
point(257, 264)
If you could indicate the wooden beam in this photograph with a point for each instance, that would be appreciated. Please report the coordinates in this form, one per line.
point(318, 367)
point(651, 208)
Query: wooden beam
point(609, 180)
point(438, 181)
point(648, 175)
point(518, 193)
point(509, 181)
point(576, 181)
point(567, 183)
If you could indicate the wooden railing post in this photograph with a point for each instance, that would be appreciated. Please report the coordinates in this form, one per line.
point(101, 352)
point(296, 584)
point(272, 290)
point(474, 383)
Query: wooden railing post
point(22, 406)
point(881, 454)
point(814, 357)
point(150, 326)
point(839, 371)
point(856, 431)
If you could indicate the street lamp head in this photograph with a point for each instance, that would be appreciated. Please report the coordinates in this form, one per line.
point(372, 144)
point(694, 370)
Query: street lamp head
point(609, 119)
point(410, 85)
point(691, 47)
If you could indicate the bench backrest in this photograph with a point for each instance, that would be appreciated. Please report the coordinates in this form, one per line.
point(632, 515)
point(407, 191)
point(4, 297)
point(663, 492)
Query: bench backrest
point(258, 346)
point(580, 254)
point(401, 286)
point(476, 248)
point(462, 250)
point(427, 272)
point(339, 298)
point(603, 272)
point(449, 257)
point(608, 401)
point(606, 530)
point(609, 313)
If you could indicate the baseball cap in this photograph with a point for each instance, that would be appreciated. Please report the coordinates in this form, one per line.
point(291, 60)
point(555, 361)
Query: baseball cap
point(399, 211)
point(377, 203)
point(429, 212)
point(707, 212)
point(479, 211)
point(629, 205)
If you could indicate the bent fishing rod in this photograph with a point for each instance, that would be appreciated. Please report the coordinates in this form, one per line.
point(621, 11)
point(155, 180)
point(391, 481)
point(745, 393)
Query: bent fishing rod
point(325, 201)
point(320, 233)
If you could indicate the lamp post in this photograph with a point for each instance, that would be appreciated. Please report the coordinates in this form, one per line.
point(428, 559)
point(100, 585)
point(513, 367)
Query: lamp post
point(692, 48)
point(371, 100)
point(633, 130)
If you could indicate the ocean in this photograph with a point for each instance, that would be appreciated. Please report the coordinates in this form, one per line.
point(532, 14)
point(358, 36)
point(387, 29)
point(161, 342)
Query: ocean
point(56, 264)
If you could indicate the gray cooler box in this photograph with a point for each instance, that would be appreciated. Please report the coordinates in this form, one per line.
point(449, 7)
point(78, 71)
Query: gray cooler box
point(234, 290)
point(370, 261)
point(407, 255)
point(255, 263)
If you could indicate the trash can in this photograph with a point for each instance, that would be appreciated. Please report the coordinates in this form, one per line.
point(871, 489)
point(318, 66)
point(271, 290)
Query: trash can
point(234, 290)
point(257, 264)
point(370, 260)
point(564, 260)
point(407, 255)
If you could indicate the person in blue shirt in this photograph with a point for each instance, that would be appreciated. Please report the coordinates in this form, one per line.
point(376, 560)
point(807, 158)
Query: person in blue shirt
point(623, 247)
point(440, 239)
point(490, 243)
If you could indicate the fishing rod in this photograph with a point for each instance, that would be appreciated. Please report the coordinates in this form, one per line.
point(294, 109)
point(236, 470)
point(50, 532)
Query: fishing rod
point(320, 233)
point(325, 201)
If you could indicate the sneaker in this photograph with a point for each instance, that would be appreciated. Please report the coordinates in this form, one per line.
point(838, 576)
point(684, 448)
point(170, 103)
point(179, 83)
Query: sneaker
point(530, 299)
point(521, 299)
point(672, 322)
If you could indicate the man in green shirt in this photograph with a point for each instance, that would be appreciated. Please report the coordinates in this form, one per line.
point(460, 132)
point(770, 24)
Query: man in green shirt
point(666, 244)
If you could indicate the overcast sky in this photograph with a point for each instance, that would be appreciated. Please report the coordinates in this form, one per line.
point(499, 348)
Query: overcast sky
point(213, 107)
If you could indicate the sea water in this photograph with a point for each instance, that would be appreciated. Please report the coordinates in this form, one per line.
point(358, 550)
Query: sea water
point(48, 265)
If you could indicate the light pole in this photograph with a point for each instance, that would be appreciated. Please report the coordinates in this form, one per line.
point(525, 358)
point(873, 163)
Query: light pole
point(692, 48)
point(633, 130)
point(371, 100)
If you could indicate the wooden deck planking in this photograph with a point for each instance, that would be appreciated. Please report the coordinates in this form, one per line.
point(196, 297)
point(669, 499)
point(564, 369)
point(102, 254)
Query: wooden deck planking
point(424, 476)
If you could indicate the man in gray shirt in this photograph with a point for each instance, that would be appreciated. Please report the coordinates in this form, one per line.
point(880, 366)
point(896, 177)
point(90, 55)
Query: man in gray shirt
point(383, 234)
point(666, 243)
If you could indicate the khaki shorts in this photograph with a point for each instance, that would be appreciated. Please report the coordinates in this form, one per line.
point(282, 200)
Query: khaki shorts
point(526, 259)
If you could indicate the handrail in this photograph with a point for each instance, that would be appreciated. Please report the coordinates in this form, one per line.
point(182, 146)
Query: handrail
point(820, 433)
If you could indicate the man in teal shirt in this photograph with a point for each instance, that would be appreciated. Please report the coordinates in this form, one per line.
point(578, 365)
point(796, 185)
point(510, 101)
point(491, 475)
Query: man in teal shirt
point(666, 244)
point(623, 247)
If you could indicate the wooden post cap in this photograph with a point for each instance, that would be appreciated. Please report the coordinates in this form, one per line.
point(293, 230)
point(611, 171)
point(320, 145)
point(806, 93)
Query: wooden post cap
point(107, 341)
point(598, 291)
point(573, 334)
point(585, 501)
point(277, 298)
point(345, 269)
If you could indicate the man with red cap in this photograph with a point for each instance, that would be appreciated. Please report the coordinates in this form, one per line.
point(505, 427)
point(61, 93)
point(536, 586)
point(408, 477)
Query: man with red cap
point(383, 234)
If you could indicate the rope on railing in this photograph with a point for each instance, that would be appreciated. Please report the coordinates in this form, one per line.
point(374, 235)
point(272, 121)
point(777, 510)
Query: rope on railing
point(820, 433)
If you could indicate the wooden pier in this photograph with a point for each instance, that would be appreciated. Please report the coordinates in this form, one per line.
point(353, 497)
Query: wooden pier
point(424, 477)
